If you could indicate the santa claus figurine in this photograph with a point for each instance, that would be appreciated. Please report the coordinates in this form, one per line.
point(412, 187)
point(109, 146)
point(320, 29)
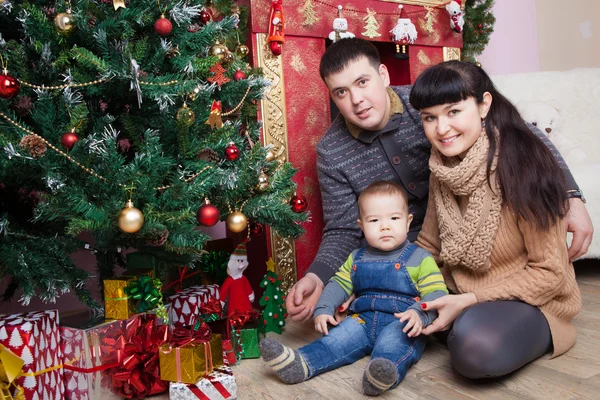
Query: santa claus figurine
point(276, 36)
point(236, 289)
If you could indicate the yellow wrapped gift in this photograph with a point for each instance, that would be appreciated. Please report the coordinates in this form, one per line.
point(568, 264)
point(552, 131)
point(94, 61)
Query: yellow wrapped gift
point(117, 303)
point(189, 362)
point(10, 369)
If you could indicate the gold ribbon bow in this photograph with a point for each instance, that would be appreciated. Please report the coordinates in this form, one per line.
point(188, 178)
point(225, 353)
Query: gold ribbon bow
point(10, 369)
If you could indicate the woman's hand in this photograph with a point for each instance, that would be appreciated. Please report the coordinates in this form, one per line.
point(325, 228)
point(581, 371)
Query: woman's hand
point(448, 307)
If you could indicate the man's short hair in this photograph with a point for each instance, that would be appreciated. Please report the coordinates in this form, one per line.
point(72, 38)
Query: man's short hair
point(389, 188)
point(341, 53)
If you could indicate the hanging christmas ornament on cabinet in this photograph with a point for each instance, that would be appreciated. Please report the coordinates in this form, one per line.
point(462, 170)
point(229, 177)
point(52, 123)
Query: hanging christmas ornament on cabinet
point(130, 218)
point(208, 215)
point(64, 21)
point(163, 26)
point(340, 28)
point(9, 86)
point(298, 203)
point(236, 222)
point(69, 139)
point(403, 34)
point(232, 153)
point(276, 36)
point(457, 20)
point(371, 25)
point(185, 116)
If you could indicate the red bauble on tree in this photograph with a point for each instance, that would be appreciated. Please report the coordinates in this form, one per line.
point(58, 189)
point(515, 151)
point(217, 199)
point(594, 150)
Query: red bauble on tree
point(239, 75)
point(9, 86)
point(163, 26)
point(69, 139)
point(208, 215)
point(299, 203)
point(205, 17)
point(232, 153)
point(256, 228)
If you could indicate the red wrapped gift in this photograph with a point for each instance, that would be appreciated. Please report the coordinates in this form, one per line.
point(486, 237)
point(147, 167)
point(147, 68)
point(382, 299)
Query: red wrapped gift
point(187, 306)
point(89, 349)
point(34, 337)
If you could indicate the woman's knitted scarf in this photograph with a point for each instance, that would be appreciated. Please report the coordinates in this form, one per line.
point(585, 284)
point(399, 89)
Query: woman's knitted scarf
point(466, 238)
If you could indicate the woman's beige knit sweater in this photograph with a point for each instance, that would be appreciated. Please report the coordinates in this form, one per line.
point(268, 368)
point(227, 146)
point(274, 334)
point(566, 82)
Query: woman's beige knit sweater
point(526, 264)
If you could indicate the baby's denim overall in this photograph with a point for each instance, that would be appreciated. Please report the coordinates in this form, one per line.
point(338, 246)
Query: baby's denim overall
point(382, 289)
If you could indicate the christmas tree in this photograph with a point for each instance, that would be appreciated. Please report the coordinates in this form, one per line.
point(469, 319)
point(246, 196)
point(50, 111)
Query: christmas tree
point(274, 312)
point(479, 25)
point(133, 123)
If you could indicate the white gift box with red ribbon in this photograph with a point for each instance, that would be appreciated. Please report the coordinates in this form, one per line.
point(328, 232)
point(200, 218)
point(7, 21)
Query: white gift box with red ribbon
point(186, 306)
point(219, 385)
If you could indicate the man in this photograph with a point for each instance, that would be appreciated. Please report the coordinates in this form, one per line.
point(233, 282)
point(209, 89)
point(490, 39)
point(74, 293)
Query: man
point(379, 136)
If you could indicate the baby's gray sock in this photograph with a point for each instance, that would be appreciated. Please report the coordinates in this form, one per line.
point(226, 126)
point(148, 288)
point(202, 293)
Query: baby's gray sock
point(286, 362)
point(379, 376)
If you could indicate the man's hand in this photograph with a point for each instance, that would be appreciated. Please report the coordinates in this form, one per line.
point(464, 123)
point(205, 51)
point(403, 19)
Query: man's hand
point(580, 224)
point(302, 298)
point(414, 326)
point(449, 307)
point(321, 323)
point(342, 312)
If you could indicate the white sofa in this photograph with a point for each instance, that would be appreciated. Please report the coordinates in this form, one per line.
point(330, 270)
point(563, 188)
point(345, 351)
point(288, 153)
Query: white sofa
point(577, 92)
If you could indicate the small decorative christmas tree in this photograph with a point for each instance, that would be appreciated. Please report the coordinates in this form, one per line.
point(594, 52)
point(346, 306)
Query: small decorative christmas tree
point(274, 312)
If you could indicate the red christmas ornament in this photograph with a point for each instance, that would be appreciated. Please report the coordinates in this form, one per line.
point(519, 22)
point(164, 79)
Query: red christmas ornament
point(163, 26)
point(256, 228)
point(299, 203)
point(232, 153)
point(208, 215)
point(275, 316)
point(480, 26)
point(285, 315)
point(275, 48)
point(239, 75)
point(266, 298)
point(9, 86)
point(69, 139)
point(205, 17)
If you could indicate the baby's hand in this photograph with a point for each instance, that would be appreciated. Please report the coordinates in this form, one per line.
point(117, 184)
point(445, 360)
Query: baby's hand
point(414, 326)
point(321, 323)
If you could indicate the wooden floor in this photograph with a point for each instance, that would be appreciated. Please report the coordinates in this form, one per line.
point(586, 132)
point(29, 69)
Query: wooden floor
point(575, 375)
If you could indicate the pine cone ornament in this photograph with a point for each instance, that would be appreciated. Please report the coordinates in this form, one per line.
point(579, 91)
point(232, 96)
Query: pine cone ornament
point(34, 145)
point(208, 155)
point(158, 238)
point(22, 105)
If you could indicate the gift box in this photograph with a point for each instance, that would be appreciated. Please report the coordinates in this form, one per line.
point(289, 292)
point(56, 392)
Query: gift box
point(229, 352)
point(248, 337)
point(186, 306)
point(117, 303)
point(34, 337)
point(89, 347)
point(219, 385)
point(190, 355)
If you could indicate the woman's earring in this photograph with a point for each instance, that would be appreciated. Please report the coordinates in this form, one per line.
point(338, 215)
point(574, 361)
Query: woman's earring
point(482, 123)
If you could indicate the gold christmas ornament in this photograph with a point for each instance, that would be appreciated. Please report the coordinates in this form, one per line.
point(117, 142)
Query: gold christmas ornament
point(185, 116)
point(64, 21)
point(263, 181)
point(242, 50)
point(219, 50)
point(229, 57)
point(236, 222)
point(130, 218)
point(270, 156)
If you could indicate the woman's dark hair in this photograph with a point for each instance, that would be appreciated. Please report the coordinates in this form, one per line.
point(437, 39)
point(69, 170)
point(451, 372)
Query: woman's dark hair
point(533, 184)
point(341, 53)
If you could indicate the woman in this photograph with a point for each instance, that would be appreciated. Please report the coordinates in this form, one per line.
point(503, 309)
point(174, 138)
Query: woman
point(494, 222)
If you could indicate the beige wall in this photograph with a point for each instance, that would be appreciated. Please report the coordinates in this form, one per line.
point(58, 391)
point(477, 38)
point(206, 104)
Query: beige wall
point(568, 34)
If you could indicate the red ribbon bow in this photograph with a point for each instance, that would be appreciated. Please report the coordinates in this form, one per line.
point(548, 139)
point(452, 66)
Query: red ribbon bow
point(213, 306)
point(241, 318)
point(138, 374)
point(183, 336)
